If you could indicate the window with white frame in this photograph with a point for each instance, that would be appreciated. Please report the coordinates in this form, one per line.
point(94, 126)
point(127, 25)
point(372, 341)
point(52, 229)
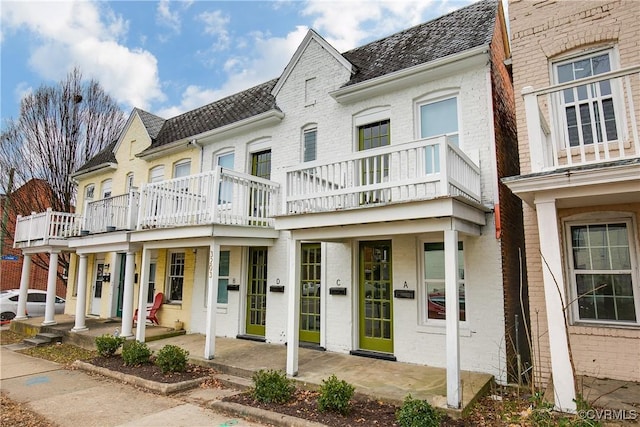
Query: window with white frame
point(434, 282)
point(602, 261)
point(309, 146)
point(226, 161)
point(151, 291)
point(106, 188)
point(156, 174)
point(175, 278)
point(89, 191)
point(587, 111)
point(129, 182)
point(182, 169)
point(438, 116)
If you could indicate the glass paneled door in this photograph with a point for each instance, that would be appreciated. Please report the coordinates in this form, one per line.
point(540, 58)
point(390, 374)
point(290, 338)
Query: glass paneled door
point(257, 291)
point(374, 169)
point(310, 278)
point(260, 167)
point(375, 299)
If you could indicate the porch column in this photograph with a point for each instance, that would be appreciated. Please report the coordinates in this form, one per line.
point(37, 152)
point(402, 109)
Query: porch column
point(212, 300)
point(24, 288)
point(142, 297)
point(50, 308)
point(293, 309)
point(127, 298)
point(554, 296)
point(452, 318)
point(81, 299)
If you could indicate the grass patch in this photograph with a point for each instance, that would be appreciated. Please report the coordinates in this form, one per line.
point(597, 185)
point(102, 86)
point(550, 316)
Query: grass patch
point(9, 337)
point(61, 353)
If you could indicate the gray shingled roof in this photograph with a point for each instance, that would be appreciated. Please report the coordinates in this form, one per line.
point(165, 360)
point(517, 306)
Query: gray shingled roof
point(458, 31)
point(455, 32)
point(105, 156)
point(231, 109)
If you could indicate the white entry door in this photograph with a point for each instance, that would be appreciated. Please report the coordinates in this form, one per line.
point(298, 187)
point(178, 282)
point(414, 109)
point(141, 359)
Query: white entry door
point(96, 288)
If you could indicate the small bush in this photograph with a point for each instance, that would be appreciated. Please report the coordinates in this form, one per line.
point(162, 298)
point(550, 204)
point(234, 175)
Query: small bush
point(272, 386)
point(171, 358)
point(335, 395)
point(108, 344)
point(418, 413)
point(135, 353)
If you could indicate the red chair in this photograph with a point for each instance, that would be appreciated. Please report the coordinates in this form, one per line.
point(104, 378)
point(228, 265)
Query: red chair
point(153, 310)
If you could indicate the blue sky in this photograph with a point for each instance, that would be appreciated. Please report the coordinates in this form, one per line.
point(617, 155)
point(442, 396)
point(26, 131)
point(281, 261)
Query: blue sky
point(168, 57)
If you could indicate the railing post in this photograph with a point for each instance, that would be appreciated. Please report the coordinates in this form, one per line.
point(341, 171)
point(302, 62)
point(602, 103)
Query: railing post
point(216, 194)
point(47, 226)
point(30, 230)
point(19, 225)
point(443, 148)
point(141, 205)
point(532, 114)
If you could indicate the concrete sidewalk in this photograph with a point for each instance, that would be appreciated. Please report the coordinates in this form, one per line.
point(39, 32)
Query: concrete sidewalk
point(73, 398)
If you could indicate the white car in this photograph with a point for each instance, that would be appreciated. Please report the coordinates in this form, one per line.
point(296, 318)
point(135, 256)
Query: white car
point(36, 302)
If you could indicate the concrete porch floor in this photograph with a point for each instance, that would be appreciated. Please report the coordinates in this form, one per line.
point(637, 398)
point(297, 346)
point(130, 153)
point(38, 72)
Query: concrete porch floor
point(381, 379)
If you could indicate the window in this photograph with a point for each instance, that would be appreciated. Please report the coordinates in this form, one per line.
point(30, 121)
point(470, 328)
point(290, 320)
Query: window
point(106, 188)
point(129, 182)
point(438, 118)
point(309, 137)
point(587, 110)
point(152, 282)
point(176, 276)
point(156, 174)
point(225, 193)
point(434, 281)
point(89, 191)
point(182, 169)
point(261, 164)
point(374, 135)
point(602, 260)
point(374, 169)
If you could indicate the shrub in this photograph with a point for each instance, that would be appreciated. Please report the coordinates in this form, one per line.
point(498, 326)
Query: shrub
point(418, 413)
point(272, 386)
point(335, 395)
point(171, 358)
point(135, 353)
point(108, 344)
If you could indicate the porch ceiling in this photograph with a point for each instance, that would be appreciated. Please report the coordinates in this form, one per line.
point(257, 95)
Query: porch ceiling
point(227, 232)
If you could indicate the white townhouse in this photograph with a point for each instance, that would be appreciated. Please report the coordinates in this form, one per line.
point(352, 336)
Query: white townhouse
point(352, 204)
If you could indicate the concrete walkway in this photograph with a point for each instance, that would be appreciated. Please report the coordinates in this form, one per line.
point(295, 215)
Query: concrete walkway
point(73, 398)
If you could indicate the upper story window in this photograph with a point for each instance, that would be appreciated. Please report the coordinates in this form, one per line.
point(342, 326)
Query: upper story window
point(309, 146)
point(373, 135)
point(106, 188)
point(129, 182)
point(588, 112)
point(156, 174)
point(434, 281)
point(261, 164)
point(89, 191)
point(603, 259)
point(182, 169)
point(439, 117)
point(225, 192)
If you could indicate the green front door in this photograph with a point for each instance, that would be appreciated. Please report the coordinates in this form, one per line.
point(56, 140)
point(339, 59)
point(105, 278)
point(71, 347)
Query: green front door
point(257, 291)
point(122, 260)
point(375, 299)
point(310, 275)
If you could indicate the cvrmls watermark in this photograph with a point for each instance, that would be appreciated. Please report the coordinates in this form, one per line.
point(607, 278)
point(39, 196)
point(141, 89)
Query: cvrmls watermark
point(609, 414)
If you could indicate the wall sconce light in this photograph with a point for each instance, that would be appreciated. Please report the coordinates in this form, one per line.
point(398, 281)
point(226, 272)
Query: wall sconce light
point(106, 277)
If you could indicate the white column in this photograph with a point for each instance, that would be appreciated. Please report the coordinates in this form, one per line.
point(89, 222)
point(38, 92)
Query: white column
point(50, 307)
point(554, 295)
point(142, 297)
point(452, 318)
point(293, 309)
point(127, 298)
point(212, 300)
point(81, 298)
point(24, 288)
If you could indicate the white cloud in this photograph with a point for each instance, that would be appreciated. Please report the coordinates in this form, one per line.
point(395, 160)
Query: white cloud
point(216, 25)
point(86, 35)
point(21, 90)
point(167, 18)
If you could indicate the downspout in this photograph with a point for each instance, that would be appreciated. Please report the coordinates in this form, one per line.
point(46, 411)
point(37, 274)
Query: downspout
point(195, 143)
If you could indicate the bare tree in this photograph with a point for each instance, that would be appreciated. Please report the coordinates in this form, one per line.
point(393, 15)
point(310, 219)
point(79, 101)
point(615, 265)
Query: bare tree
point(58, 129)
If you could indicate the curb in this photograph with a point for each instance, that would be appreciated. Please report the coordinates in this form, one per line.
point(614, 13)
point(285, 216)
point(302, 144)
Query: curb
point(161, 388)
point(275, 418)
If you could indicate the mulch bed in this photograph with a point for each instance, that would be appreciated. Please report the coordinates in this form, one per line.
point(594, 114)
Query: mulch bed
point(152, 372)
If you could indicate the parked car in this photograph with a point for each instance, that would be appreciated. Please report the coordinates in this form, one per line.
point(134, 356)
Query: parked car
point(36, 301)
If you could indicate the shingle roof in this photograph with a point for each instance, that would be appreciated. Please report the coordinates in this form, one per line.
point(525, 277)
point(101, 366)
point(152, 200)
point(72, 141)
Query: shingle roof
point(458, 31)
point(152, 122)
point(231, 109)
point(105, 156)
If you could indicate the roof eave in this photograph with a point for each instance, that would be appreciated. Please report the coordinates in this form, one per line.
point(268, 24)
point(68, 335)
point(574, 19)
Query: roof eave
point(369, 87)
point(94, 170)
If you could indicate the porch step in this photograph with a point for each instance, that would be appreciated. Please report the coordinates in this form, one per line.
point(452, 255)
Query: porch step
point(43, 338)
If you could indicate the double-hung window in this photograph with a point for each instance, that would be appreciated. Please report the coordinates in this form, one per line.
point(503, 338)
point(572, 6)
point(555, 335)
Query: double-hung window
point(602, 266)
point(176, 276)
point(438, 117)
point(587, 111)
point(434, 281)
point(309, 137)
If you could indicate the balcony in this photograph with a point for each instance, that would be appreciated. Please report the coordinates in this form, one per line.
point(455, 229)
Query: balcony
point(584, 122)
point(421, 170)
point(112, 213)
point(46, 229)
point(221, 196)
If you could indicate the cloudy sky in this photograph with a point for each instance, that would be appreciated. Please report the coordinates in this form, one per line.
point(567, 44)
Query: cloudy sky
point(168, 57)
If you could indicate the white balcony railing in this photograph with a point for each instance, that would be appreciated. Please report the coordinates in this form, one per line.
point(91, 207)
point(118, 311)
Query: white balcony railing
point(112, 213)
point(41, 228)
point(586, 121)
point(423, 169)
point(221, 196)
